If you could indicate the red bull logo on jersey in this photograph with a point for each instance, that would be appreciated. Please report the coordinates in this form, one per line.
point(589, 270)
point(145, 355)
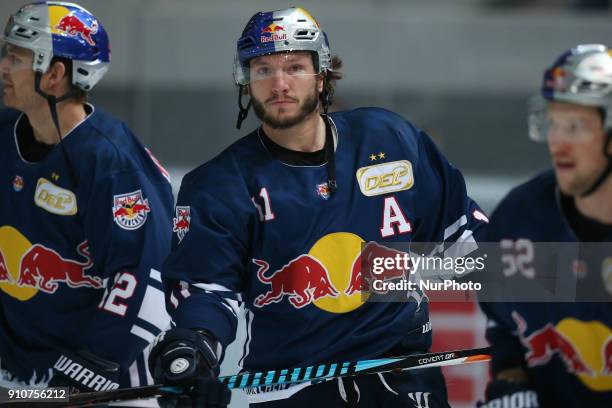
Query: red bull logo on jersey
point(130, 210)
point(27, 269)
point(332, 276)
point(180, 223)
point(273, 32)
point(304, 280)
point(75, 27)
point(584, 347)
point(362, 275)
point(43, 268)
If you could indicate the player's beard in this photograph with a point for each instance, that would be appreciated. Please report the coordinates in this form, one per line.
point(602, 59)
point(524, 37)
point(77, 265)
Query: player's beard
point(308, 106)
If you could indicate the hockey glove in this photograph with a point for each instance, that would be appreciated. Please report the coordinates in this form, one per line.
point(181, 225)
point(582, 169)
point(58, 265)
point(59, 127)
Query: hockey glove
point(188, 358)
point(83, 371)
point(506, 394)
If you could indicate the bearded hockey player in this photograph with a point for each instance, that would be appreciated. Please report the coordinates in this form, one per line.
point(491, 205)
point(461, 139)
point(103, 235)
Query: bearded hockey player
point(277, 222)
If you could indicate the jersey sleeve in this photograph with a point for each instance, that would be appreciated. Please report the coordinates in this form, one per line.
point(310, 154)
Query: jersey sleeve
point(506, 349)
point(204, 274)
point(445, 212)
point(128, 227)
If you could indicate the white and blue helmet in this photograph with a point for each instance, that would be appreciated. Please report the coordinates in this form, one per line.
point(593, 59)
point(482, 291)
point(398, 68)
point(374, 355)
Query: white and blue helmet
point(59, 29)
point(292, 29)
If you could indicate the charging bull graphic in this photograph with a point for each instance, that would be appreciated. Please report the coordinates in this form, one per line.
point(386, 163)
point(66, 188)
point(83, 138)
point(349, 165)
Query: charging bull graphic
point(543, 343)
point(44, 268)
point(74, 26)
point(363, 274)
point(304, 280)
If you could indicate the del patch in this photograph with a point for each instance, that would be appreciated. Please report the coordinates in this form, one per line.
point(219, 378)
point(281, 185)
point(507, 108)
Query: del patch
point(130, 210)
point(385, 178)
point(54, 199)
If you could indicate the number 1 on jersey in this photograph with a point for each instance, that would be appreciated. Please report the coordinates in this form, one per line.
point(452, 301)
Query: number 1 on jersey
point(266, 213)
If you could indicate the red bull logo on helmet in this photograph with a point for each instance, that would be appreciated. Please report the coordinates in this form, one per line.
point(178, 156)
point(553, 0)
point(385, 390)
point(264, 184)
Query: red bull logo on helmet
point(130, 210)
point(273, 32)
point(557, 79)
point(180, 223)
point(585, 347)
point(75, 27)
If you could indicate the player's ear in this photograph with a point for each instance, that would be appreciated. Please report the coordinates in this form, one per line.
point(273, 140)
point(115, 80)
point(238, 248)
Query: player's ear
point(57, 71)
point(54, 76)
point(320, 82)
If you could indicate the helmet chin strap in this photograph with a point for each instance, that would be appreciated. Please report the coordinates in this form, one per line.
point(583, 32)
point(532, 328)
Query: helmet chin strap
point(325, 99)
point(52, 100)
point(332, 182)
point(244, 110)
point(604, 175)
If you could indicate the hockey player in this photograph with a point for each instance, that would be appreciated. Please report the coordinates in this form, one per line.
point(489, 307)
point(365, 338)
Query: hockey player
point(276, 222)
point(560, 354)
point(86, 214)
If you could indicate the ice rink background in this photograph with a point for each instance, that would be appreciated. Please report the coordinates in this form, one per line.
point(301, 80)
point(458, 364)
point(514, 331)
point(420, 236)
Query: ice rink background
point(460, 69)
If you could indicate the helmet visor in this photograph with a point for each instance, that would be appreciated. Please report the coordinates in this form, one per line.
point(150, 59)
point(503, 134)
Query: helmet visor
point(286, 66)
point(562, 123)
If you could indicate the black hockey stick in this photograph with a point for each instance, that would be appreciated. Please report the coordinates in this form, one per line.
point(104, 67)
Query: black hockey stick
point(297, 375)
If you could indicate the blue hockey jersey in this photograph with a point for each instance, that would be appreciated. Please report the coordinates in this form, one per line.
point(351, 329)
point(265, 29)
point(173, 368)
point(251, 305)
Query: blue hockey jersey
point(252, 229)
point(80, 256)
point(566, 348)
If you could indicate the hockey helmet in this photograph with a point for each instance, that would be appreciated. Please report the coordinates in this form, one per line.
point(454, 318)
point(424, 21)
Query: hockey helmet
point(59, 29)
point(582, 76)
point(292, 29)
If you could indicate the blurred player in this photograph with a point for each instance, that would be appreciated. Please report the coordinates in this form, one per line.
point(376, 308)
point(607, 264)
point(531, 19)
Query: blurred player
point(86, 213)
point(560, 354)
point(277, 221)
